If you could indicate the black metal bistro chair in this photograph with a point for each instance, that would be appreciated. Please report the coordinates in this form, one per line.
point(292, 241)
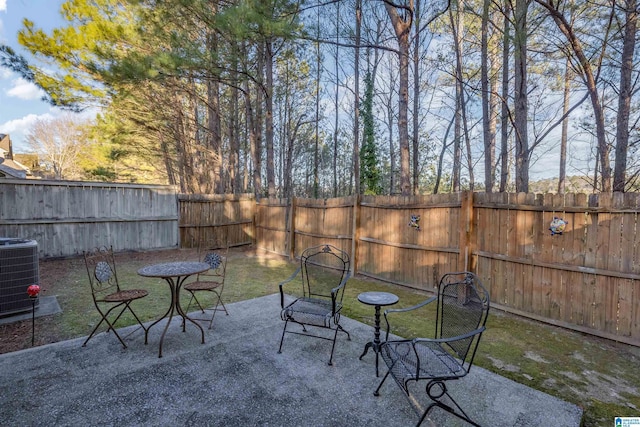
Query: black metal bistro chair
point(461, 314)
point(211, 281)
point(318, 302)
point(108, 297)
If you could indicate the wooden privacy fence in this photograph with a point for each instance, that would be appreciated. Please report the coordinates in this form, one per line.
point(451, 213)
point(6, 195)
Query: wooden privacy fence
point(68, 217)
point(586, 279)
point(211, 219)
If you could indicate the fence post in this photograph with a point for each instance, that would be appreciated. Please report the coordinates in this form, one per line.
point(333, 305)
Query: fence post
point(292, 228)
point(466, 231)
point(355, 233)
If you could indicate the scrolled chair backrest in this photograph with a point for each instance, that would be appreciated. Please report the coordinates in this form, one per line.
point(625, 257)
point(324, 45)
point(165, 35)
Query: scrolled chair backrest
point(319, 266)
point(103, 272)
point(214, 260)
point(100, 265)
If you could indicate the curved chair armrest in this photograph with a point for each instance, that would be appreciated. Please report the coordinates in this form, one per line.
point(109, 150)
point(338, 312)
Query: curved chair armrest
point(342, 284)
point(335, 290)
point(402, 310)
point(452, 339)
point(281, 285)
point(439, 341)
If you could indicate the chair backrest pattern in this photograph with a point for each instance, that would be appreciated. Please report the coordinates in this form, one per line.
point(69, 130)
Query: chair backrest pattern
point(101, 268)
point(217, 260)
point(317, 264)
point(463, 306)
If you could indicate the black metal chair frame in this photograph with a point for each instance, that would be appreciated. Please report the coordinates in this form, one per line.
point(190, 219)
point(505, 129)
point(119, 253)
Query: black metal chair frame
point(461, 315)
point(210, 281)
point(106, 291)
point(314, 307)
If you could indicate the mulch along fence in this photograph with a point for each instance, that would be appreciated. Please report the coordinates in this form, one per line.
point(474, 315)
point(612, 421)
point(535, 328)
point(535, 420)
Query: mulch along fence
point(586, 279)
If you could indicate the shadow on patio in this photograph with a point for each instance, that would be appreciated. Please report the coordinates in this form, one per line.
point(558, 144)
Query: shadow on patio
point(237, 378)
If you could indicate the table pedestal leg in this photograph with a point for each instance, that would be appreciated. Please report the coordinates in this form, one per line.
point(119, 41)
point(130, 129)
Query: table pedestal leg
point(375, 344)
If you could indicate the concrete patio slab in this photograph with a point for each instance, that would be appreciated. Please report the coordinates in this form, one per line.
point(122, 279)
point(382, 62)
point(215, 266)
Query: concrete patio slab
point(237, 378)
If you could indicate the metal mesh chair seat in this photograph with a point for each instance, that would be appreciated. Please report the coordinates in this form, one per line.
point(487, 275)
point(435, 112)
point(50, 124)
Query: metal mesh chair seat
point(461, 315)
point(311, 311)
point(323, 273)
point(413, 360)
point(128, 295)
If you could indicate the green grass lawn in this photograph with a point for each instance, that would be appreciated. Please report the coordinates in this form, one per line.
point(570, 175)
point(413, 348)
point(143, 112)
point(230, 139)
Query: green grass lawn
point(600, 376)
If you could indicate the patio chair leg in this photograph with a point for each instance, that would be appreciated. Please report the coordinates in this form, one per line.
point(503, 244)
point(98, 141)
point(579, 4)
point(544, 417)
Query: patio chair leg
point(439, 394)
point(110, 326)
point(284, 330)
point(218, 303)
point(424, 414)
point(193, 297)
point(346, 332)
point(377, 392)
point(333, 346)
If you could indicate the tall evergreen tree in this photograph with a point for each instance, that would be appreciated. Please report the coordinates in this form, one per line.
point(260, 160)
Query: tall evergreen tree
point(370, 179)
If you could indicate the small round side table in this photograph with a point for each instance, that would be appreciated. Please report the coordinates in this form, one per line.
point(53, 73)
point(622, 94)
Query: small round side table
point(377, 299)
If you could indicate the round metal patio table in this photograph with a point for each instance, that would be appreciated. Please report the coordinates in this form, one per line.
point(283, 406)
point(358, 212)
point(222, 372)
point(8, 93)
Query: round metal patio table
point(175, 273)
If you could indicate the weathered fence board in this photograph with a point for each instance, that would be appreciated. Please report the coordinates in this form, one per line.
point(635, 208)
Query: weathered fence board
point(67, 217)
point(216, 219)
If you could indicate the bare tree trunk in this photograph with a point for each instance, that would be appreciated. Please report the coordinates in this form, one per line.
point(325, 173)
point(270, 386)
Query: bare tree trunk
point(520, 96)
point(488, 135)
point(214, 137)
point(416, 99)
point(458, 30)
point(562, 175)
point(392, 151)
point(316, 156)
point(234, 132)
point(271, 174)
point(504, 115)
point(337, 106)
point(402, 27)
point(287, 142)
point(494, 101)
point(253, 122)
point(454, 18)
point(356, 120)
point(436, 186)
point(624, 96)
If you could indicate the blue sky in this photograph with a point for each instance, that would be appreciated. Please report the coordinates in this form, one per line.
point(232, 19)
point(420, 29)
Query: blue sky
point(20, 103)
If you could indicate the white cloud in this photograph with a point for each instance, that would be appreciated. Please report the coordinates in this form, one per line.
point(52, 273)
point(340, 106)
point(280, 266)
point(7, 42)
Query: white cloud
point(5, 74)
point(24, 90)
point(18, 128)
point(3, 5)
point(22, 124)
